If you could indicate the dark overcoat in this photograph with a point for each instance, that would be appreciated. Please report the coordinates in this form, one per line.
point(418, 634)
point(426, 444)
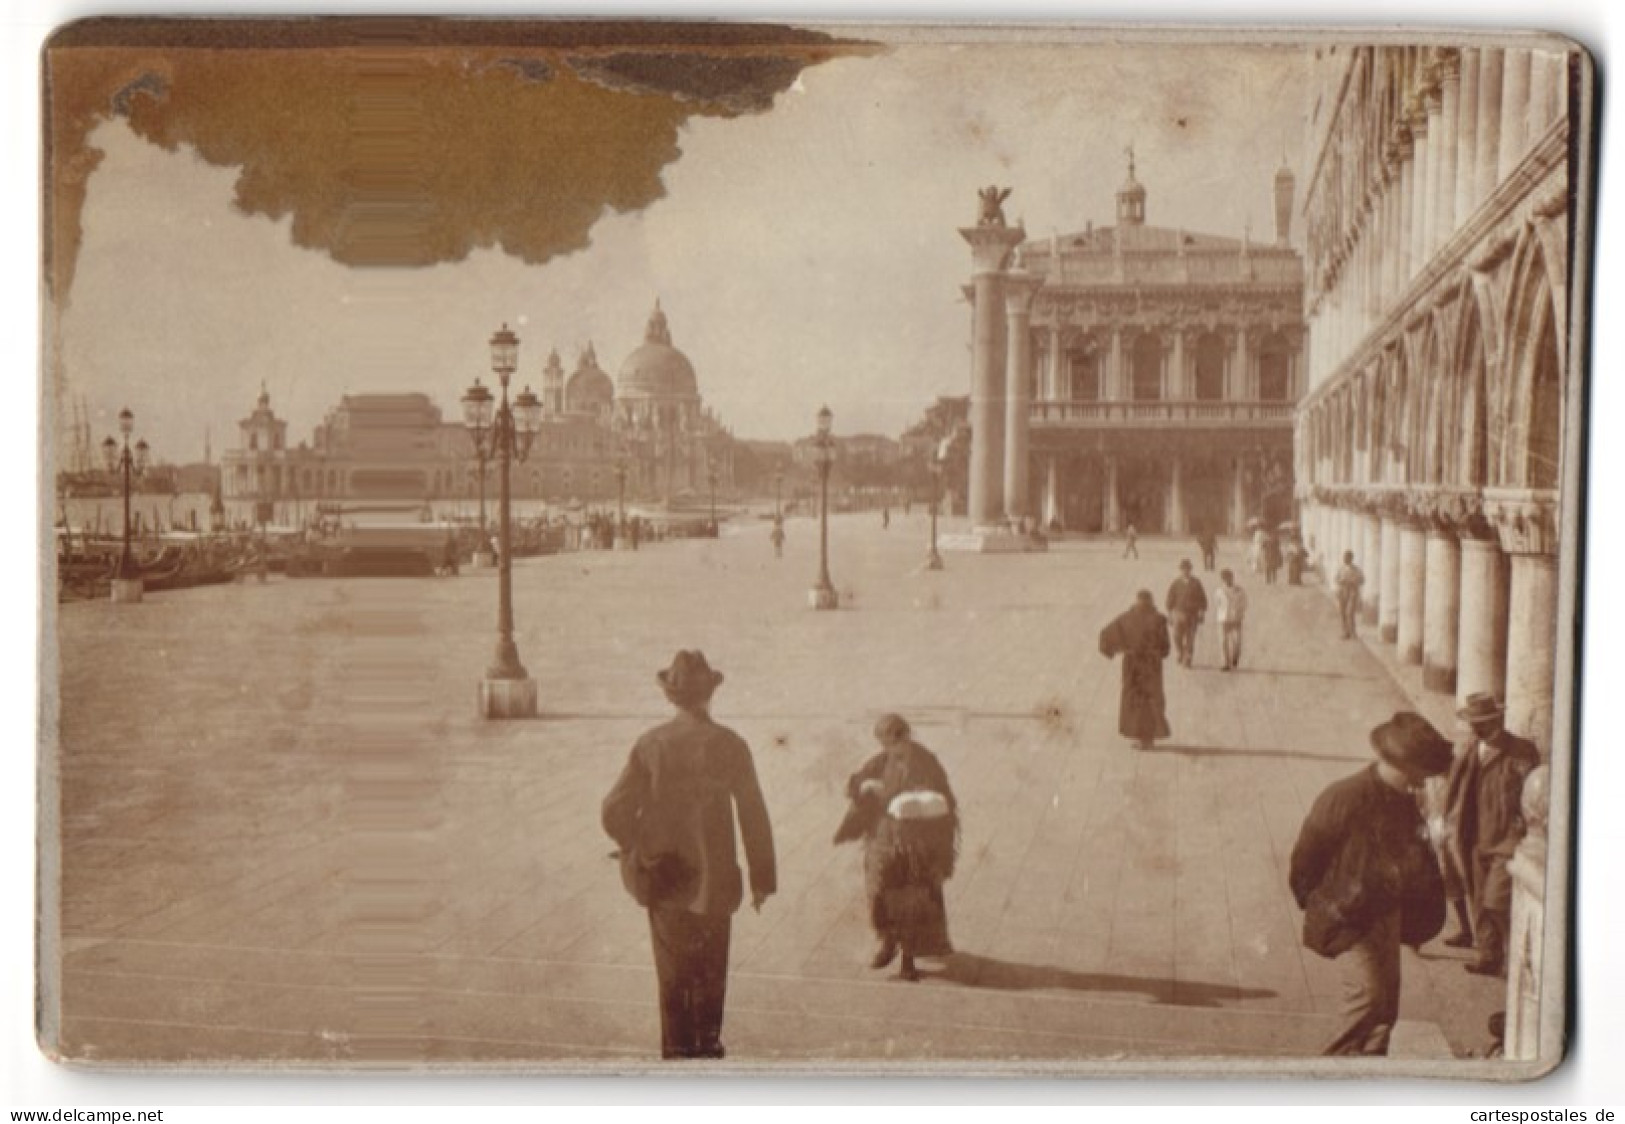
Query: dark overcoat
point(1483, 814)
point(1361, 854)
point(905, 863)
point(672, 813)
point(1140, 636)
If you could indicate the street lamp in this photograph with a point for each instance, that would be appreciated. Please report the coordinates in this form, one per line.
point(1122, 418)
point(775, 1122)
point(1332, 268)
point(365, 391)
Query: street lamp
point(822, 595)
point(711, 479)
point(507, 690)
point(778, 494)
point(477, 407)
point(939, 462)
point(130, 464)
point(620, 498)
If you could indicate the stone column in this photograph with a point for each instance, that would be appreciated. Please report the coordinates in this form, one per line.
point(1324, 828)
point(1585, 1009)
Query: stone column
point(1388, 581)
point(1176, 367)
point(1514, 111)
point(1412, 590)
point(1481, 643)
point(1019, 288)
point(1237, 499)
point(1113, 508)
point(1052, 494)
point(1444, 216)
point(1370, 559)
point(1112, 384)
point(1240, 388)
point(1407, 217)
point(1057, 367)
point(1526, 946)
point(1442, 597)
point(1467, 137)
point(1486, 158)
point(1527, 526)
point(1177, 522)
point(989, 246)
point(1421, 183)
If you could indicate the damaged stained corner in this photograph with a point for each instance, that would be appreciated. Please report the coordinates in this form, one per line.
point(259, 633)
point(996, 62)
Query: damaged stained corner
point(410, 143)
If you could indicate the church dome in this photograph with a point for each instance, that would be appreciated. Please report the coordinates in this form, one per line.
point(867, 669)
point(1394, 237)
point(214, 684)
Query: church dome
point(657, 369)
point(590, 389)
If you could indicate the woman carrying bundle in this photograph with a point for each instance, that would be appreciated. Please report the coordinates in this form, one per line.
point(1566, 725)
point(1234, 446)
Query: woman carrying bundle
point(904, 810)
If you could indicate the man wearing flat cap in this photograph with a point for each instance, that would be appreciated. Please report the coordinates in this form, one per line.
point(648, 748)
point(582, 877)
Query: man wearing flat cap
point(1367, 879)
point(672, 814)
point(1483, 825)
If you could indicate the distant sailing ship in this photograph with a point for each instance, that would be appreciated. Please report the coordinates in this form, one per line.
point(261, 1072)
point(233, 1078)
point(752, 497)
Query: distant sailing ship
point(80, 474)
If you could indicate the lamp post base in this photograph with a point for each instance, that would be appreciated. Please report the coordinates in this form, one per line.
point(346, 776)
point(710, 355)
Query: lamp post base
point(127, 591)
point(508, 698)
point(933, 561)
point(483, 560)
point(823, 597)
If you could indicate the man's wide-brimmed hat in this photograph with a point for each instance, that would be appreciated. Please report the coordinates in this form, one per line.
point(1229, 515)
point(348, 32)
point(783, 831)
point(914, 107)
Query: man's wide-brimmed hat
point(689, 676)
point(1481, 706)
point(1409, 742)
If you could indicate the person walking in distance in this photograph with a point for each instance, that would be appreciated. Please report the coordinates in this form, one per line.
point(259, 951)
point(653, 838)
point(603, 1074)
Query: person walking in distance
point(1131, 539)
point(1349, 580)
point(1209, 542)
point(1367, 880)
point(1483, 825)
point(1186, 605)
point(1140, 636)
point(671, 812)
point(1230, 607)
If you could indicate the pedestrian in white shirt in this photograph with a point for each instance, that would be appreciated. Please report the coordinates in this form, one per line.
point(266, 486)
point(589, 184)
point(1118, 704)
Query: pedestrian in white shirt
point(1230, 607)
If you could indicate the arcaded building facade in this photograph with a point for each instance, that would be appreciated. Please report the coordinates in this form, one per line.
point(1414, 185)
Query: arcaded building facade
point(1135, 374)
point(1430, 444)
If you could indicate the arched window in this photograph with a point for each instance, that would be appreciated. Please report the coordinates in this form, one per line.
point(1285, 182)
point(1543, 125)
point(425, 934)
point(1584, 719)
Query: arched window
point(1083, 376)
point(1210, 367)
point(1274, 370)
point(1146, 368)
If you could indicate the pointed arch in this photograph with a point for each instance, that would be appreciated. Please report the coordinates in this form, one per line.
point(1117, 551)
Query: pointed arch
point(1534, 386)
point(1469, 374)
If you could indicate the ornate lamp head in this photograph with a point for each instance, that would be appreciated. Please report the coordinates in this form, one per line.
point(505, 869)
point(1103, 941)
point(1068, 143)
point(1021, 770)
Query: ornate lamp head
point(504, 353)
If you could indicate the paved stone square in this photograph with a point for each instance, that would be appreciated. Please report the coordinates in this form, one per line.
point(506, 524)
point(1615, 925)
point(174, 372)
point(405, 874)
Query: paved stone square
point(287, 836)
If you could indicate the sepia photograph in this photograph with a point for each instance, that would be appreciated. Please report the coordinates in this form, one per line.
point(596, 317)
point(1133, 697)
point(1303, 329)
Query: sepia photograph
point(652, 547)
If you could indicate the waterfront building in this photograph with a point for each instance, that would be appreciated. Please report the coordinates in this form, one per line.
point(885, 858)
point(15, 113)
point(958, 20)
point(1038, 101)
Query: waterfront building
point(398, 449)
point(1133, 373)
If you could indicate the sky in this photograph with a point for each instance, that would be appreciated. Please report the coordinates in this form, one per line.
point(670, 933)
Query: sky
point(806, 255)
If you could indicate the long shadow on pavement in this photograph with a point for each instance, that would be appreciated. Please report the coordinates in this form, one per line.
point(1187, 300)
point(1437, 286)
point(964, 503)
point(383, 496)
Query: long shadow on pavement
point(971, 970)
point(1230, 751)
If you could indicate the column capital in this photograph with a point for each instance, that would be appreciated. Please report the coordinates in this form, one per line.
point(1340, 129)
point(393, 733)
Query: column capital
point(1524, 520)
point(991, 245)
point(1449, 64)
point(1019, 289)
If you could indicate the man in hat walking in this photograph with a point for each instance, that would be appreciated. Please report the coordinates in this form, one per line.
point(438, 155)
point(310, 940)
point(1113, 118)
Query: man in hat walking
point(671, 812)
point(1483, 825)
point(1140, 636)
point(1187, 603)
point(1367, 880)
